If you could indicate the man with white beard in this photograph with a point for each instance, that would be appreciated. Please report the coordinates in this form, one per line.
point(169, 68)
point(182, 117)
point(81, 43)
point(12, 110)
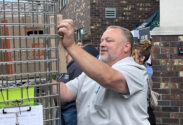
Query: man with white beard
point(113, 89)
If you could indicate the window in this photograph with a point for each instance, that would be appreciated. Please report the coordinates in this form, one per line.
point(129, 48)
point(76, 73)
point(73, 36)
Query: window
point(78, 34)
point(63, 3)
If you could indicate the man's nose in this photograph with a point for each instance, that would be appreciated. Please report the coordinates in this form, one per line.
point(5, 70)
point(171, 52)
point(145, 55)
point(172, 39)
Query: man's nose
point(103, 43)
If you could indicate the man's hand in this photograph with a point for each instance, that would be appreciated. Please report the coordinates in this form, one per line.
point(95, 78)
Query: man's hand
point(66, 30)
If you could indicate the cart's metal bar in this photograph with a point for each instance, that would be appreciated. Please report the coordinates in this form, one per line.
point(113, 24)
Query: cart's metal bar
point(26, 24)
point(39, 97)
point(25, 74)
point(31, 36)
point(28, 2)
point(32, 84)
point(27, 49)
point(28, 61)
point(48, 120)
point(24, 12)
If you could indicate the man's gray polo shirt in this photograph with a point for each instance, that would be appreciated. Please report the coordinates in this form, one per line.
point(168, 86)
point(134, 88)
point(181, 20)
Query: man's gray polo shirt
point(100, 106)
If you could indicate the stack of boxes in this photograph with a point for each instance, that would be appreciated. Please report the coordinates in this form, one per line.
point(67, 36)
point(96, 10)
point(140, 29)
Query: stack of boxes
point(24, 49)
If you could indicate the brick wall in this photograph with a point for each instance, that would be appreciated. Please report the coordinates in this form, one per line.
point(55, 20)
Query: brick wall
point(168, 79)
point(90, 14)
point(130, 13)
point(79, 11)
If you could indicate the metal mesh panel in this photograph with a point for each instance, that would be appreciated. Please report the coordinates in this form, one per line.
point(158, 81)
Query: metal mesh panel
point(28, 54)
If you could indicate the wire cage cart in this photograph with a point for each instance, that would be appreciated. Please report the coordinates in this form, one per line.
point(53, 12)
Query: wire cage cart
point(29, 47)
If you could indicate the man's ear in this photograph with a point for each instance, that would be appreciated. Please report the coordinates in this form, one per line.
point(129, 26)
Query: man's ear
point(127, 47)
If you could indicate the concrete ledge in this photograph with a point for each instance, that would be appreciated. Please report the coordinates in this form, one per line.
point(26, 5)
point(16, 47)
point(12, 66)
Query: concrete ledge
point(167, 31)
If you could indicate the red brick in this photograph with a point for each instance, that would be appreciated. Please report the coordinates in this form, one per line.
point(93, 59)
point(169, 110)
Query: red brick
point(170, 121)
point(171, 97)
point(176, 115)
point(162, 114)
point(177, 103)
point(156, 38)
point(169, 38)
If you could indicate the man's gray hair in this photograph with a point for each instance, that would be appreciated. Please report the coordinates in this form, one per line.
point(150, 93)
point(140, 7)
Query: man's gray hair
point(125, 32)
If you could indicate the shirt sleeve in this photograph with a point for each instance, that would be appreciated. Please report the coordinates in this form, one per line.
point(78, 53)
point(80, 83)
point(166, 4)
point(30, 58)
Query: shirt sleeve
point(76, 84)
point(134, 77)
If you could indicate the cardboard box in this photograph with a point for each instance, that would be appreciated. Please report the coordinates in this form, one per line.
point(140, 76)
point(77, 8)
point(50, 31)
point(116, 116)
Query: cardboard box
point(61, 50)
point(39, 43)
point(35, 58)
point(6, 43)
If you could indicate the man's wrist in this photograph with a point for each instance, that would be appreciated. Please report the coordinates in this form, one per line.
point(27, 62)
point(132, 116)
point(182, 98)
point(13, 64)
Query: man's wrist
point(69, 48)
